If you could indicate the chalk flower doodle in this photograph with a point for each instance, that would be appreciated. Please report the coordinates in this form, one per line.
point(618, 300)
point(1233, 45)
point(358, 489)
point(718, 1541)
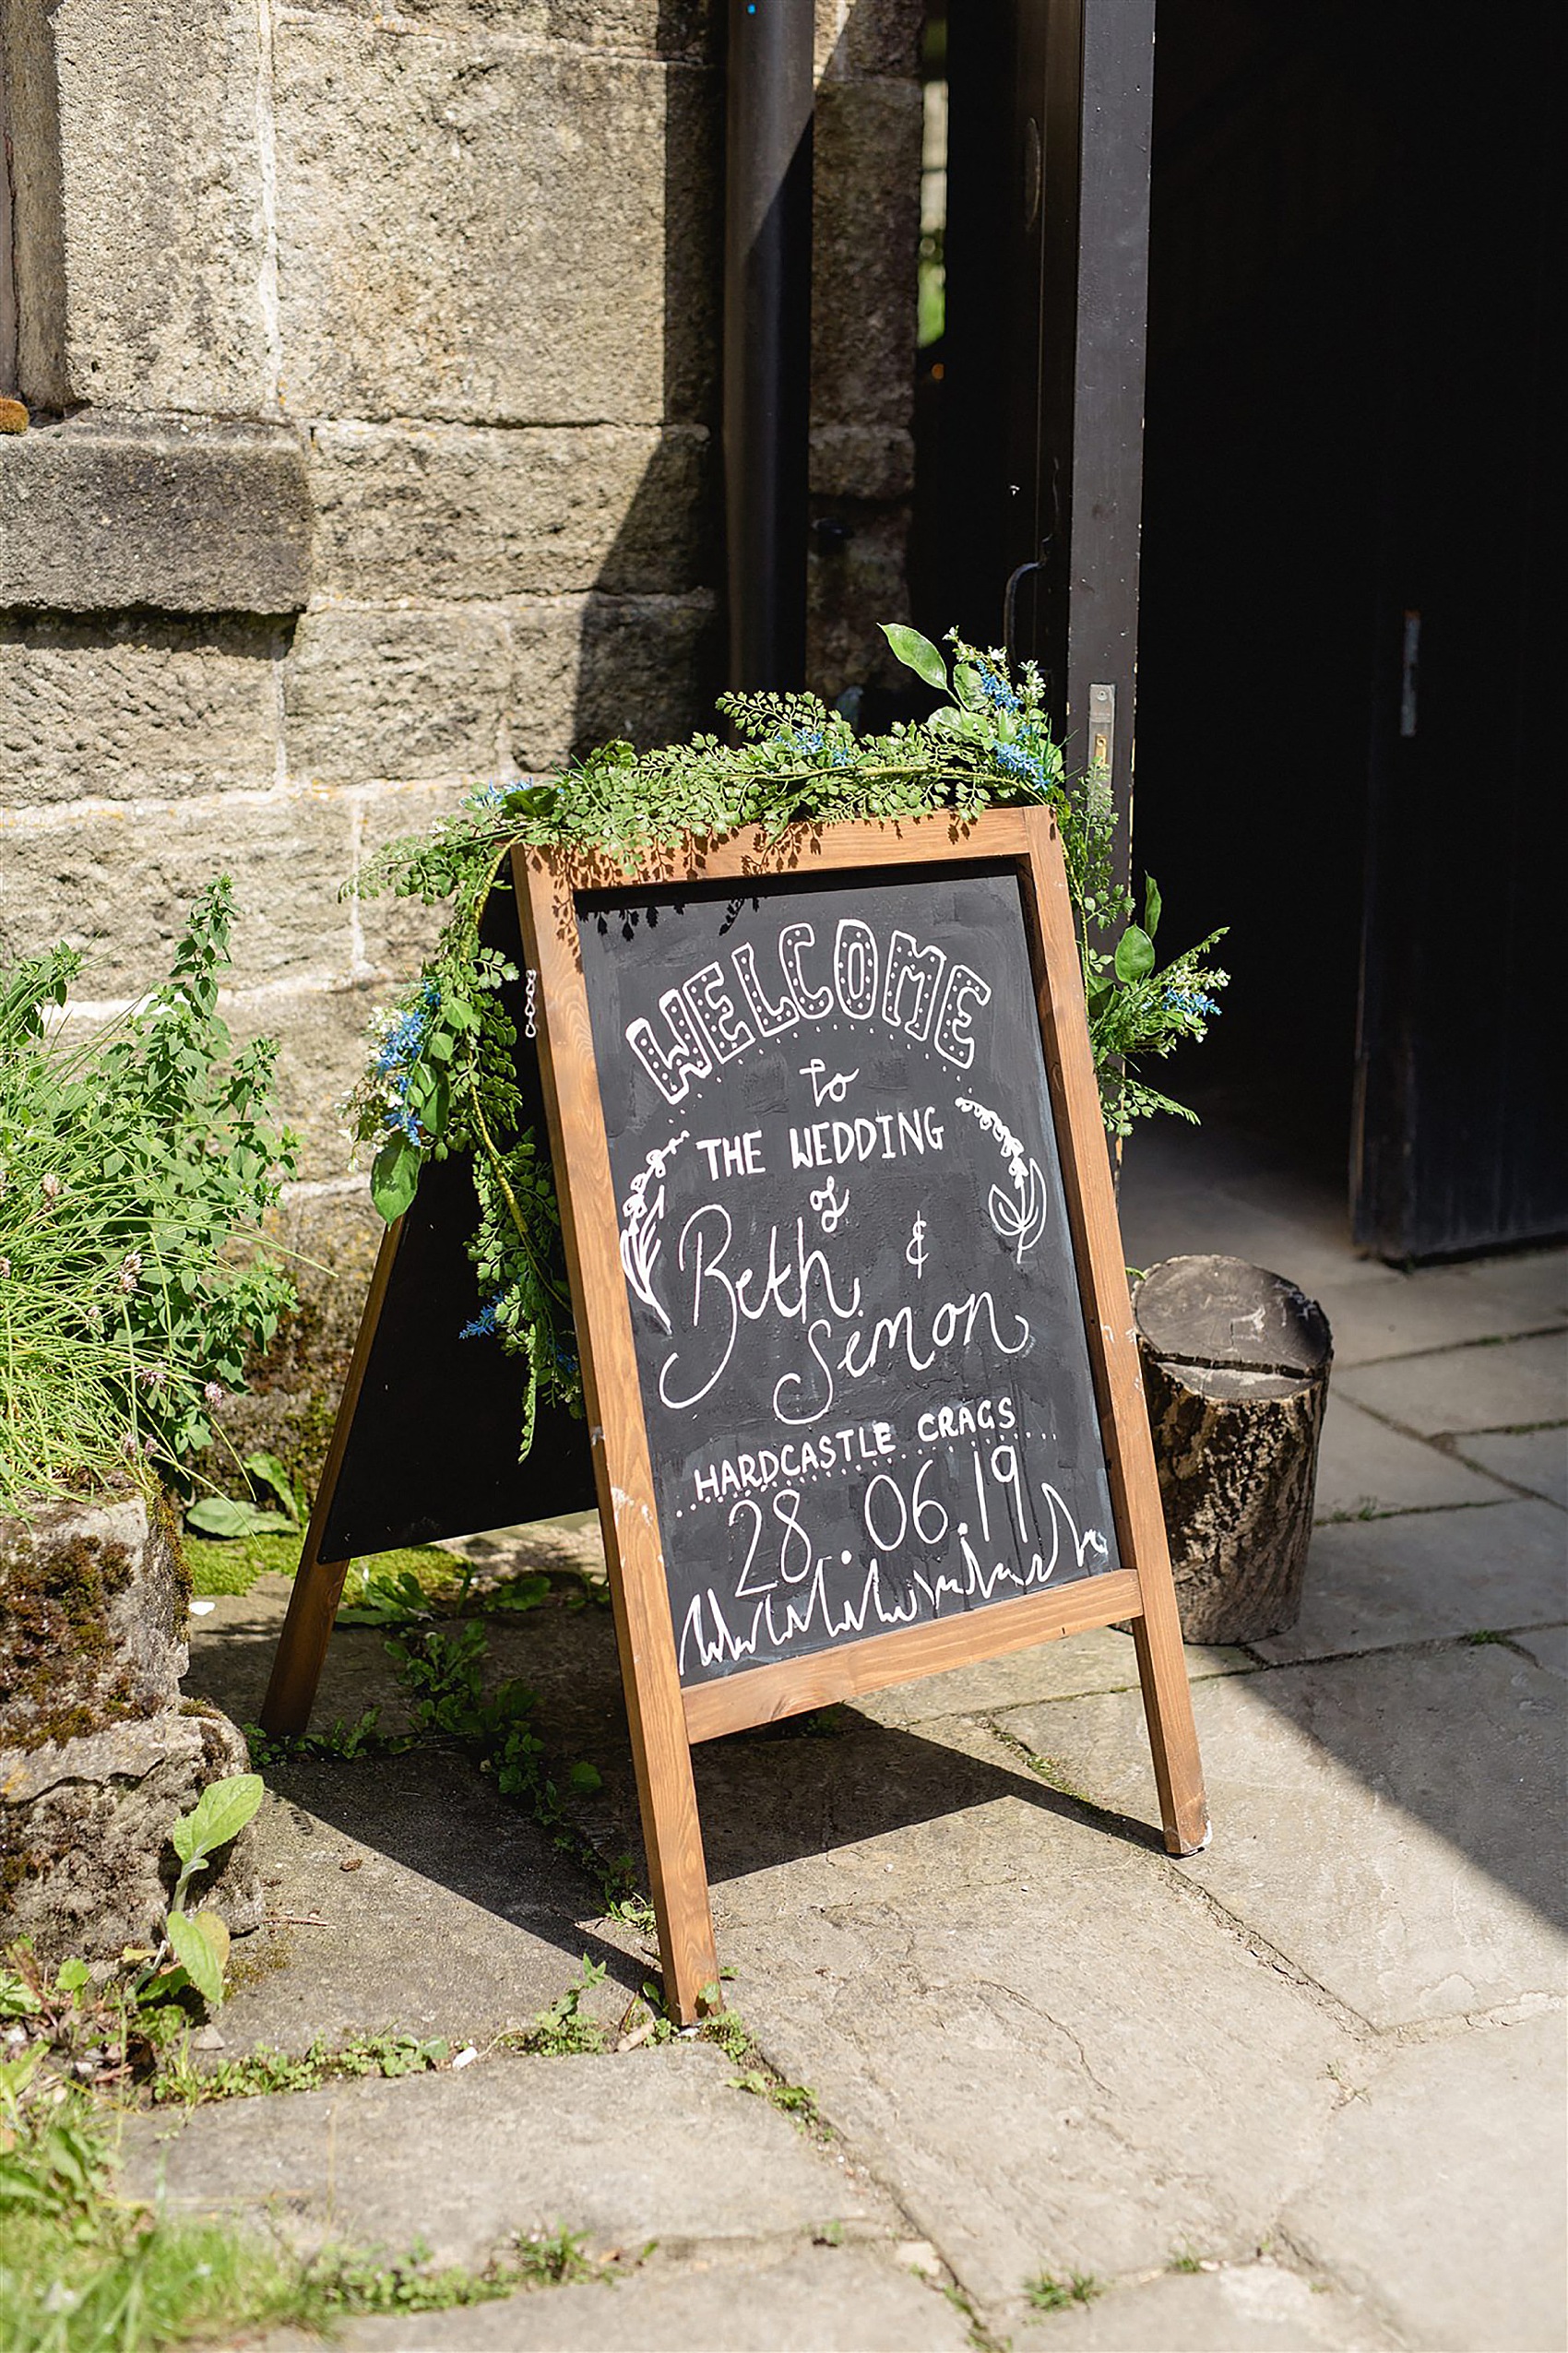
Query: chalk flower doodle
point(1019, 1221)
point(642, 1213)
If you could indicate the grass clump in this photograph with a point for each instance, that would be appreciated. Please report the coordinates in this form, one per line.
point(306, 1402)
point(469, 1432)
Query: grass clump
point(1053, 2292)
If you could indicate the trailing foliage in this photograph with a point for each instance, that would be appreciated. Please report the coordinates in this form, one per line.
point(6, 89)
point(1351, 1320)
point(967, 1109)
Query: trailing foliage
point(440, 1078)
point(132, 1164)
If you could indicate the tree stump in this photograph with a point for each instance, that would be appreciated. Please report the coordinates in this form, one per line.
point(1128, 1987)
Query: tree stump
point(1235, 1364)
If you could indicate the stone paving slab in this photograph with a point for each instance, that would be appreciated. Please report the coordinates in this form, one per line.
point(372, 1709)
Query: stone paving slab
point(1535, 1279)
point(1361, 1822)
point(1099, 1661)
point(459, 1918)
point(1533, 1458)
point(1437, 1307)
point(1077, 2067)
point(1250, 2308)
point(1363, 1464)
point(653, 2145)
point(814, 2300)
point(1426, 1576)
point(1470, 1388)
point(1441, 2191)
point(1548, 1646)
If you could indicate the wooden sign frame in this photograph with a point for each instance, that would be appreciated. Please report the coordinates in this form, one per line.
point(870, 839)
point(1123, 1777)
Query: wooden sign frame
point(665, 1719)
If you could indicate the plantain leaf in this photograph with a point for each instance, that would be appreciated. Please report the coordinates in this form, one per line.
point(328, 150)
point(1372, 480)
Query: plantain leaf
point(916, 653)
point(219, 1814)
point(196, 1957)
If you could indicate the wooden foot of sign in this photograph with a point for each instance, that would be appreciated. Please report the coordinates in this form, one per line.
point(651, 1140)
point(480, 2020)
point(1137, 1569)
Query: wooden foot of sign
point(862, 1387)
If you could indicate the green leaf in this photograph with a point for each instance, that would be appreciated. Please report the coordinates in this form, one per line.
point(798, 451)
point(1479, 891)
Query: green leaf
point(1152, 905)
point(968, 687)
point(196, 1957)
point(394, 1177)
point(219, 1814)
point(221, 1516)
point(585, 1778)
point(916, 653)
point(71, 1975)
point(1135, 954)
point(269, 1472)
point(521, 1593)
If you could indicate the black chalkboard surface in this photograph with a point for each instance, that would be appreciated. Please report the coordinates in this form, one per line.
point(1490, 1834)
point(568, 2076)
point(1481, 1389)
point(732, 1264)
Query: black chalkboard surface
point(860, 1340)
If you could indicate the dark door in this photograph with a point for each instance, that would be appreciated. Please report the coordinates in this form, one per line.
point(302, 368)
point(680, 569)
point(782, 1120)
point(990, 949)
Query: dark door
point(1458, 1142)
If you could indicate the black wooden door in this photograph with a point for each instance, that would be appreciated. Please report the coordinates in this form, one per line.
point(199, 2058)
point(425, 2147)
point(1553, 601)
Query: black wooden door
point(1459, 1141)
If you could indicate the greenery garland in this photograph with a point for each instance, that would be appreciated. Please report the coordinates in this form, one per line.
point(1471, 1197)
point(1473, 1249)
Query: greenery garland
point(440, 1078)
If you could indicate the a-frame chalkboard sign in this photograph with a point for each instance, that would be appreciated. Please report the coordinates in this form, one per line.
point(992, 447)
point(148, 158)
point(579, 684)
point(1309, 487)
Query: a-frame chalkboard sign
point(863, 1390)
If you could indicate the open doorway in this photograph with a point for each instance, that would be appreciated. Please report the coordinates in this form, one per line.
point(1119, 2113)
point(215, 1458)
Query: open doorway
point(1346, 640)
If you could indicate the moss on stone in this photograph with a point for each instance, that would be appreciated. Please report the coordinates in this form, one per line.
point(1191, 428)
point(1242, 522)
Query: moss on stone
point(59, 1679)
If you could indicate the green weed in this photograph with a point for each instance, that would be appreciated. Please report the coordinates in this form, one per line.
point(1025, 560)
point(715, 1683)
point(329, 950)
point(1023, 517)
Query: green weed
point(1047, 2292)
point(256, 2072)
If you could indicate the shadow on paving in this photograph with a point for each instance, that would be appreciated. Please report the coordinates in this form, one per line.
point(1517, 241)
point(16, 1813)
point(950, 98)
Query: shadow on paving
point(769, 1798)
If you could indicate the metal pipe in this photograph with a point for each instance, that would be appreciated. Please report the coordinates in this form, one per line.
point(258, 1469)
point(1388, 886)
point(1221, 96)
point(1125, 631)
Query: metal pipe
point(767, 277)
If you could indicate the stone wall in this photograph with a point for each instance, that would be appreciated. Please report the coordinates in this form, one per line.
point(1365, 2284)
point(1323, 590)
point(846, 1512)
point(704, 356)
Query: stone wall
point(372, 357)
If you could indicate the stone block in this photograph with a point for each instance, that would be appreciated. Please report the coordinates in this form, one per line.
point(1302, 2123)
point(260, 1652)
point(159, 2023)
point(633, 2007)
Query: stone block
point(587, 668)
point(98, 1751)
point(143, 125)
point(853, 584)
point(397, 934)
point(321, 1035)
point(493, 234)
point(670, 29)
point(861, 461)
point(866, 230)
point(1469, 1388)
point(657, 2146)
point(452, 511)
point(1440, 2196)
point(287, 1409)
point(1391, 1824)
point(97, 513)
point(136, 708)
point(117, 883)
point(868, 37)
point(395, 694)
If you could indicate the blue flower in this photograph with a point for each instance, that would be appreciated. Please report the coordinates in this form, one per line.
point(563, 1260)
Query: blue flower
point(484, 1326)
point(998, 693)
point(1191, 1001)
point(1015, 762)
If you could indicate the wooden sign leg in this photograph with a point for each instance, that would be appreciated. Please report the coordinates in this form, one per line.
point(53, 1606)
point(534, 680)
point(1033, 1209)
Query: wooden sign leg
point(662, 1755)
point(318, 1585)
point(1168, 1705)
point(302, 1646)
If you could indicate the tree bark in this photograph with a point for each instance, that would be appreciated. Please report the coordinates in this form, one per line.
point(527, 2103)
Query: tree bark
point(1236, 1363)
